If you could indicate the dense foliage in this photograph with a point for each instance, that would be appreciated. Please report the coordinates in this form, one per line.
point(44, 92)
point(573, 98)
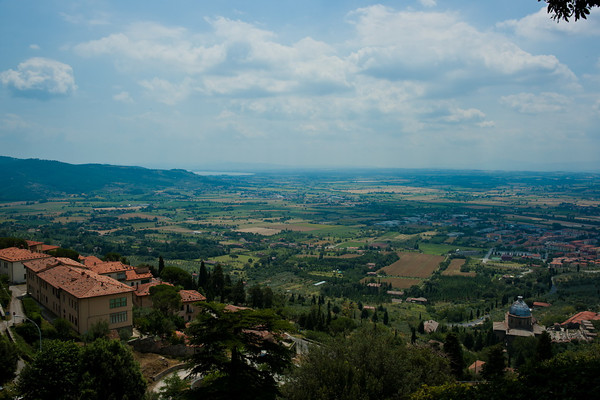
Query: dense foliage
point(370, 364)
point(101, 370)
point(8, 359)
point(239, 352)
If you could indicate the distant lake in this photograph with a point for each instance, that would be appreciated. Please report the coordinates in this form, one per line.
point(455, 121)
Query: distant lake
point(218, 173)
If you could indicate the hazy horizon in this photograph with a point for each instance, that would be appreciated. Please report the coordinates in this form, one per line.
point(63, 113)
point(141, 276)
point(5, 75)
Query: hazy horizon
point(318, 85)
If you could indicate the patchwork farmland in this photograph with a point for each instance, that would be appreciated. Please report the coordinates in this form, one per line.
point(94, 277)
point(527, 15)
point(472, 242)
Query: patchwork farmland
point(454, 268)
point(413, 265)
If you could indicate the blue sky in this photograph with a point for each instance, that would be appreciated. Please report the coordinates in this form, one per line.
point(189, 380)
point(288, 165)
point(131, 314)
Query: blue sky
point(201, 85)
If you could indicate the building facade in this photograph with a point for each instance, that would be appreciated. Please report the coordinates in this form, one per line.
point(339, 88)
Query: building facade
point(11, 263)
point(79, 295)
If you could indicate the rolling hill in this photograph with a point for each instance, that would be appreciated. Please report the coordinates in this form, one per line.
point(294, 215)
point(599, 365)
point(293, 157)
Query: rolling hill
point(34, 179)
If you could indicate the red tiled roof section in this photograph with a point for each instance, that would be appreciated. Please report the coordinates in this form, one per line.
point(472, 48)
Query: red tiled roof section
point(191, 296)
point(33, 243)
point(477, 366)
point(109, 267)
point(70, 262)
point(90, 260)
point(582, 316)
point(82, 283)
point(13, 254)
point(132, 275)
point(48, 247)
point(41, 264)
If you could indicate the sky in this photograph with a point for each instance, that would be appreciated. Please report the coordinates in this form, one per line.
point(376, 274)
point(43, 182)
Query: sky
point(493, 85)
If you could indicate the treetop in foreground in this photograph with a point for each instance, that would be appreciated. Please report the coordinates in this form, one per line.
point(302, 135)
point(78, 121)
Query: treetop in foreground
point(240, 352)
point(565, 9)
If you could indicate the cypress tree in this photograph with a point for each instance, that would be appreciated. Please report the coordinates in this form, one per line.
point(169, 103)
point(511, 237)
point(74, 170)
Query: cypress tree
point(202, 276)
point(161, 265)
point(454, 351)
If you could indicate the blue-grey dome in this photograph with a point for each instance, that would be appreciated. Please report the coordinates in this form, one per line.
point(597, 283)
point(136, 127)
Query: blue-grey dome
point(520, 308)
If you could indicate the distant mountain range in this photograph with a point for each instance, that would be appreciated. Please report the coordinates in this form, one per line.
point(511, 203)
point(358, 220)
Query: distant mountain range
point(34, 179)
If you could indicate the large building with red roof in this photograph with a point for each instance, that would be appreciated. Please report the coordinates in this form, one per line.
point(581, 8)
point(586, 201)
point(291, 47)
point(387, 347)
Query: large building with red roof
point(11, 262)
point(79, 295)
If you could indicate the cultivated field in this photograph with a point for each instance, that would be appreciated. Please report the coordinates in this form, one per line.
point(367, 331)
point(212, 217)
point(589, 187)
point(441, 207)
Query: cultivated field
point(260, 230)
point(416, 265)
point(454, 268)
point(400, 283)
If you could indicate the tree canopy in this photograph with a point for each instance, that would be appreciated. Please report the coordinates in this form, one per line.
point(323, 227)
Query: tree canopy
point(104, 369)
point(165, 298)
point(565, 9)
point(109, 372)
point(371, 364)
point(53, 373)
point(239, 353)
point(178, 277)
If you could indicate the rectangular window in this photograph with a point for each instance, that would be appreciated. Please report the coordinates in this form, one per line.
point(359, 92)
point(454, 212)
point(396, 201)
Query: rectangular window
point(118, 302)
point(115, 318)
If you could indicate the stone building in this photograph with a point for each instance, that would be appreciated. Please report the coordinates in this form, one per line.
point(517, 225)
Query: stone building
point(518, 322)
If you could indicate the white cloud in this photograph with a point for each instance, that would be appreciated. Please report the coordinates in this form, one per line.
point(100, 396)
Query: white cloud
point(40, 76)
point(530, 103)
point(34, 47)
point(398, 73)
point(460, 115)
point(166, 92)
point(171, 48)
point(418, 45)
point(13, 122)
point(428, 3)
point(540, 26)
point(123, 97)
point(486, 124)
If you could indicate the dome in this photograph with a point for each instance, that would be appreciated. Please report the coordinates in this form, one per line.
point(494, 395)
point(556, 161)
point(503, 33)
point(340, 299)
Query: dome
point(520, 308)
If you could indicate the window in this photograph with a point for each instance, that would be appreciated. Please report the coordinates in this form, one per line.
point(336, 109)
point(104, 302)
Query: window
point(115, 318)
point(118, 302)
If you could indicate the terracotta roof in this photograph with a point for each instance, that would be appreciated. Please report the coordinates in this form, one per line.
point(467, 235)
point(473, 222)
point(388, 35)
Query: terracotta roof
point(109, 267)
point(132, 275)
point(48, 247)
point(191, 296)
point(541, 304)
point(477, 366)
point(90, 260)
point(33, 243)
point(13, 254)
point(70, 262)
point(582, 316)
point(144, 288)
point(82, 283)
point(41, 264)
